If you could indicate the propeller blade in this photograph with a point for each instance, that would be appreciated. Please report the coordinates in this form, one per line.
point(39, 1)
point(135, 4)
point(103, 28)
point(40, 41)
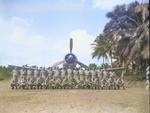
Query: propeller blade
point(71, 45)
point(81, 64)
point(58, 63)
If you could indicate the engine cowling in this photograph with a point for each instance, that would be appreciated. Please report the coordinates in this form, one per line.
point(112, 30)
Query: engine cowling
point(70, 60)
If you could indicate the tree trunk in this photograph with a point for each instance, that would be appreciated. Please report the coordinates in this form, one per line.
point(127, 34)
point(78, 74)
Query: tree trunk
point(122, 72)
point(103, 62)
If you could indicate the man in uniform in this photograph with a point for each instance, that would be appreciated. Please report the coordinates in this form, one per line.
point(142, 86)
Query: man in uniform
point(23, 73)
point(103, 82)
point(51, 82)
point(64, 84)
point(15, 78)
point(63, 73)
point(81, 73)
point(87, 74)
point(43, 74)
point(100, 74)
point(36, 74)
point(93, 72)
point(96, 84)
point(111, 82)
point(57, 74)
point(120, 83)
point(58, 83)
point(50, 73)
point(88, 83)
point(24, 84)
point(32, 82)
point(75, 74)
point(29, 74)
point(39, 82)
point(72, 82)
point(46, 83)
point(69, 71)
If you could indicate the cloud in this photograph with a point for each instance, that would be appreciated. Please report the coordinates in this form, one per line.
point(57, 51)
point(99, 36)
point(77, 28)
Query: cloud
point(81, 44)
point(18, 47)
point(19, 20)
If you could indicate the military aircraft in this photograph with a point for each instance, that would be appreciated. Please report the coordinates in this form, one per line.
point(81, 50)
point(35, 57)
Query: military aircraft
point(70, 60)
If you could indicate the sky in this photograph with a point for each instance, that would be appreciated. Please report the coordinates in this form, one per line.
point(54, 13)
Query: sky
point(37, 32)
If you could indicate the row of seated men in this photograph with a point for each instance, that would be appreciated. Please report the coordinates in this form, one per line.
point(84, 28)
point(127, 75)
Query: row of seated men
point(56, 78)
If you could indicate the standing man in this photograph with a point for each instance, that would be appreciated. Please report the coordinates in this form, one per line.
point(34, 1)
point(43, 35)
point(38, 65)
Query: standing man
point(87, 74)
point(15, 79)
point(36, 73)
point(93, 72)
point(81, 74)
point(69, 71)
point(75, 73)
point(56, 74)
point(100, 74)
point(29, 74)
point(50, 73)
point(43, 74)
point(63, 73)
point(23, 73)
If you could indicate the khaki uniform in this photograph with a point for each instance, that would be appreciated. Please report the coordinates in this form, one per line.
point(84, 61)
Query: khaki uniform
point(39, 82)
point(58, 83)
point(51, 83)
point(15, 79)
point(111, 83)
point(72, 82)
point(65, 82)
point(96, 83)
point(32, 83)
point(24, 83)
point(120, 83)
point(104, 83)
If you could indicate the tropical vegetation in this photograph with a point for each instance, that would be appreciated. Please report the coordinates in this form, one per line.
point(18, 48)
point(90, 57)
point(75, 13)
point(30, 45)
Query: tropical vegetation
point(125, 38)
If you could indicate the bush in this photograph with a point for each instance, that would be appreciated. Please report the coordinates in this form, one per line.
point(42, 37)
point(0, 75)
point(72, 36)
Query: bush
point(5, 73)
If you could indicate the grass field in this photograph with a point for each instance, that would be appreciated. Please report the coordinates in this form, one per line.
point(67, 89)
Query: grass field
point(135, 99)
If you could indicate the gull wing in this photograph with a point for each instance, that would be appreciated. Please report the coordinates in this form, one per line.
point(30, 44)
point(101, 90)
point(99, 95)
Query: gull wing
point(81, 64)
point(58, 63)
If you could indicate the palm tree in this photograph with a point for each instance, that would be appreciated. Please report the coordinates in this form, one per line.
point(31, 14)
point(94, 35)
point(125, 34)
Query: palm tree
point(101, 48)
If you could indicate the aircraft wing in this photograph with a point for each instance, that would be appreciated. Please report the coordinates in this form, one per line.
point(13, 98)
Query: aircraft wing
point(115, 69)
point(19, 67)
point(58, 63)
point(81, 64)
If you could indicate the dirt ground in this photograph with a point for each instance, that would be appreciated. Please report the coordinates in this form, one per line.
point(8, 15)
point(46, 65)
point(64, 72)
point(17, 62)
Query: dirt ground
point(131, 100)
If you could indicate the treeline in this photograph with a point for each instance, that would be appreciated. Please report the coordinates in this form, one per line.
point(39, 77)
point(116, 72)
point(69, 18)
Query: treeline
point(5, 72)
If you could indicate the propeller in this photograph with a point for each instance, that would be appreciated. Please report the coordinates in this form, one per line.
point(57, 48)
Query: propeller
point(71, 45)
